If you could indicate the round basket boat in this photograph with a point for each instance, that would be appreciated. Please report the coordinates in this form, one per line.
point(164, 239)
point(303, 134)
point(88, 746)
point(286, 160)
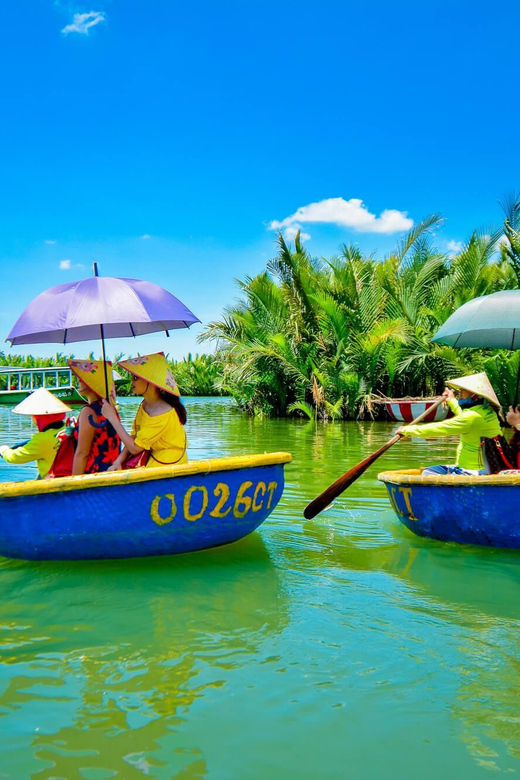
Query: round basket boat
point(483, 510)
point(128, 514)
point(407, 409)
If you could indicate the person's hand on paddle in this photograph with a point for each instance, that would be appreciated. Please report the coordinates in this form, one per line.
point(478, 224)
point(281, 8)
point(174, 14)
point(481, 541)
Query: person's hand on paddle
point(399, 431)
point(513, 417)
point(448, 393)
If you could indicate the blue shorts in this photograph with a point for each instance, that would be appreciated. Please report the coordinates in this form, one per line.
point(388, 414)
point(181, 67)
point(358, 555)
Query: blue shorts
point(429, 470)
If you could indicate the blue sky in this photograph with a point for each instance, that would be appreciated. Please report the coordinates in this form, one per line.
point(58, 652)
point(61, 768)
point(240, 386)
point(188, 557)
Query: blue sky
point(169, 141)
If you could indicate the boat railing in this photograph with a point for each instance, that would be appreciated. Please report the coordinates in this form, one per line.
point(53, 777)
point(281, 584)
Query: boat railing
point(14, 379)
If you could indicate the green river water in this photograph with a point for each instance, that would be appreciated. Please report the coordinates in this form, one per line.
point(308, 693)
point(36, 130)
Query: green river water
point(342, 647)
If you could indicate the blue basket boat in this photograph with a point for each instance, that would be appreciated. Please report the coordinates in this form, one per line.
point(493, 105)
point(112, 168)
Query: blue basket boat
point(483, 510)
point(127, 514)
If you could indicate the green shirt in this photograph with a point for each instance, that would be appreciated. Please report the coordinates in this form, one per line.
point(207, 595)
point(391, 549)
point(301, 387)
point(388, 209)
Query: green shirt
point(41, 448)
point(469, 424)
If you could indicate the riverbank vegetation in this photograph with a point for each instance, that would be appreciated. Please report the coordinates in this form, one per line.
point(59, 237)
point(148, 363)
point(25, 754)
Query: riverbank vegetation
point(196, 375)
point(323, 337)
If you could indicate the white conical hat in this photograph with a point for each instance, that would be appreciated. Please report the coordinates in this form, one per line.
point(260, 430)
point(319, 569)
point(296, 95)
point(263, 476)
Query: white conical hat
point(41, 402)
point(478, 384)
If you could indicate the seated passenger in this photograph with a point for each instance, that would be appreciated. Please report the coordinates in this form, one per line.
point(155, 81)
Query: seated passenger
point(513, 418)
point(474, 415)
point(48, 414)
point(158, 429)
point(98, 444)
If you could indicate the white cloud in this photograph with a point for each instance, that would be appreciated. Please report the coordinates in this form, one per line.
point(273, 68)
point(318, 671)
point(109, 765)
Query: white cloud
point(81, 23)
point(346, 213)
point(454, 247)
point(146, 236)
point(290, 232)
point(66, 265)
point(50, 241)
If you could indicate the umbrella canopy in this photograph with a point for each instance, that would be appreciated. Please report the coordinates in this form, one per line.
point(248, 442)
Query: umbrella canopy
point(101, 306)
point(489, 321)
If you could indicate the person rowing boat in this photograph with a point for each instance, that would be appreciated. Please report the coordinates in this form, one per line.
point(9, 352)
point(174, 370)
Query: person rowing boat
point(475, 415)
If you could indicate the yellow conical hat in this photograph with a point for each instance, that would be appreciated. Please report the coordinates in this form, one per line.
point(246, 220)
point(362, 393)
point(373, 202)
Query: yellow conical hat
point(92, 373)
point(153, 369)
point(40, 402)
point(478, 384)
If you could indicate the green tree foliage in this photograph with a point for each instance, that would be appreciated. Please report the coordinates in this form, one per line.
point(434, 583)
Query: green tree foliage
point(511, 245)
point(320, 338)
point(199, 375)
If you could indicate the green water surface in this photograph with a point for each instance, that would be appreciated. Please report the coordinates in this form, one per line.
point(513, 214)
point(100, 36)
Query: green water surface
point(342, 647)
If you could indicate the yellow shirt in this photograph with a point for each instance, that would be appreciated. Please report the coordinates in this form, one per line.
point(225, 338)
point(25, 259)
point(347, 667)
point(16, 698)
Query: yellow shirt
point(163, 436)
point(42, 448)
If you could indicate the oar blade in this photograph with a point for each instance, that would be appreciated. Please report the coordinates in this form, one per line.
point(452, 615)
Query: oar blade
point(336, 489)
point(340, 485)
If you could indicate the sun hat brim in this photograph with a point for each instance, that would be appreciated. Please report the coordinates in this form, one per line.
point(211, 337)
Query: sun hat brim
point(40, 403)
point(477, 384)
point(153, 369)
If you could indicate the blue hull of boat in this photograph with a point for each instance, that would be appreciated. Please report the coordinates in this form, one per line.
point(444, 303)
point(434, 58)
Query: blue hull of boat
point(481, 510)
point(156, 511)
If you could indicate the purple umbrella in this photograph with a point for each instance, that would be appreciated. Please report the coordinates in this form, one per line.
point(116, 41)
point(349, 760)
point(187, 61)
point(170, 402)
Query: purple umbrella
point(99, 307)
point(102, 306)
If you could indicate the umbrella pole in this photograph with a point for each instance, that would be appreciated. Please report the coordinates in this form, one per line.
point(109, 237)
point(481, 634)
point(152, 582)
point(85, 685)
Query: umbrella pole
point(102, 334)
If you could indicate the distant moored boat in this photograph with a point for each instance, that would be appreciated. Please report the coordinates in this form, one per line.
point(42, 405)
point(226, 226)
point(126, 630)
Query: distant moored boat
point(16, 383)
point(407, 409)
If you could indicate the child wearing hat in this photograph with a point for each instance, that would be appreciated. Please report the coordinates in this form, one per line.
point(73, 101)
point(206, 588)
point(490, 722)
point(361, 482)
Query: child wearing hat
point(48, 414)
point(474, 416)
point(158, 428)
point(98, 444)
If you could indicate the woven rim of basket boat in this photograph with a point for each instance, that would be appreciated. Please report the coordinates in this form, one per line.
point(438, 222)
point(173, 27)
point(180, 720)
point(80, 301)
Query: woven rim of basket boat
point(415, 477)
point(35, 487)
point(377, 399)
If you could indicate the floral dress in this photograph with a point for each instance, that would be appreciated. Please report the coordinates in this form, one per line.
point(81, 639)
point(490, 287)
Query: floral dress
point(106, 444)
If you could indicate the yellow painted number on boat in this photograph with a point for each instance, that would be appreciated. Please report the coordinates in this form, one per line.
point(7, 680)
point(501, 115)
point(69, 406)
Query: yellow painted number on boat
point(221, 490)
point(154, 510)
point(407, 494)
point(187, 502)
point(270, 489)
point(260, 487)
point(242, 502)
point(393, 501)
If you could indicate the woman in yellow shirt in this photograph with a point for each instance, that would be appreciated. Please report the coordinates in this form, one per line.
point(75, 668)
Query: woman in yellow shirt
point(158, 427)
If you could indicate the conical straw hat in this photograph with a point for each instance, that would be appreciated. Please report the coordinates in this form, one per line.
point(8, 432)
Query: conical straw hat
point(153, 369)
point(92, 373)
point(478, 384)
point(40, 402)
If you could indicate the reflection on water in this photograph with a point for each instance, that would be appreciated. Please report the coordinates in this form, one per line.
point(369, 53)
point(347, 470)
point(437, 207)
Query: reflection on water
point(338, 647)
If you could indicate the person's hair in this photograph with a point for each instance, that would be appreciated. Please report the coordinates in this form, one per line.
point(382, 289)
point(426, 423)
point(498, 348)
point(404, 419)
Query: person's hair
point(176, 403)
point(57, 424)
point(487, 404)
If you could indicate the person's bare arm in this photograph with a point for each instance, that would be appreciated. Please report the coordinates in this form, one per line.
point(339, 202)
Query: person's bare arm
point(513, 417)
point(120, 460)
point(85, 437)
point(112, 416)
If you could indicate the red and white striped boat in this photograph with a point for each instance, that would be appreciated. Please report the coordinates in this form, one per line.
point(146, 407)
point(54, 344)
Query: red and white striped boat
point(407, 409)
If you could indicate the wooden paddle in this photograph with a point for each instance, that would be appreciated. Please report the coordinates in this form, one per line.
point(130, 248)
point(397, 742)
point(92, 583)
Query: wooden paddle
point(333, 491)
